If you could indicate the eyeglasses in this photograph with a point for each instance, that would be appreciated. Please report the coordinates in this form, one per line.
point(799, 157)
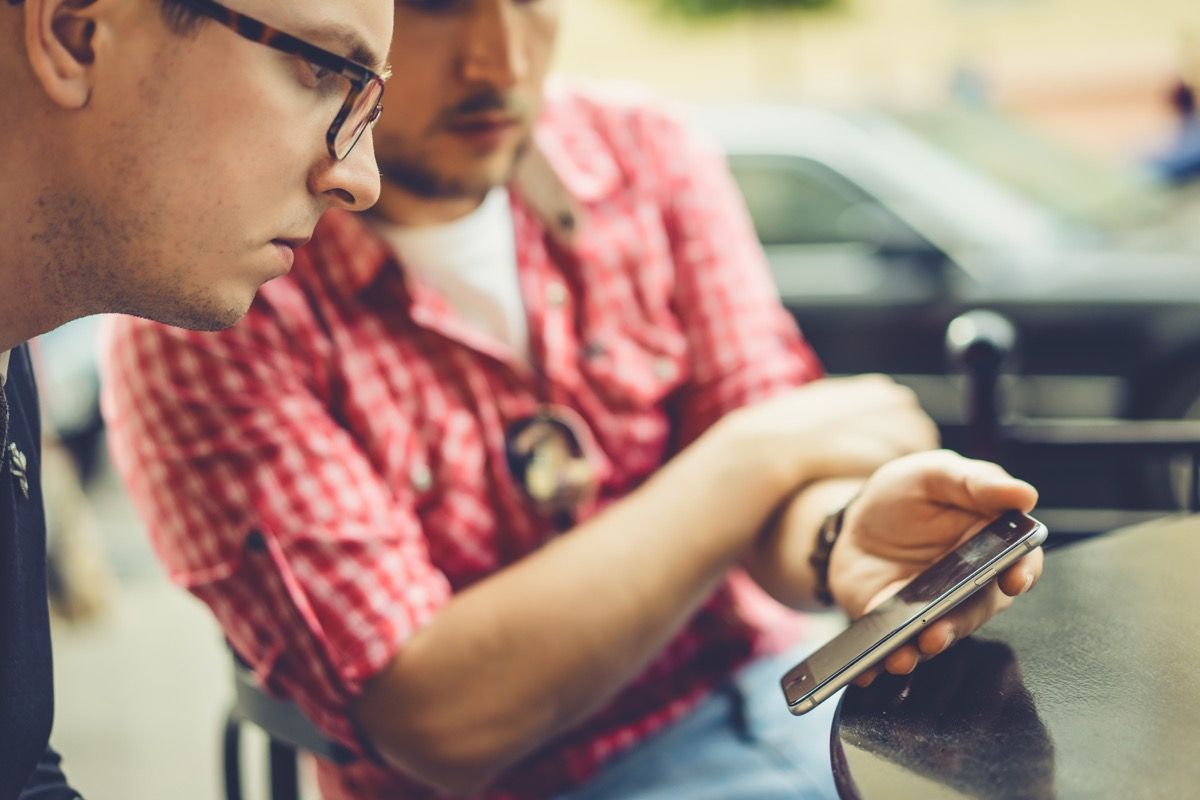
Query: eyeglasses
point(364, 102)
point(547, 458)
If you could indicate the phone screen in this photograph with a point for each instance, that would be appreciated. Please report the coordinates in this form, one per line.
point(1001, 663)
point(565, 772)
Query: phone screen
point(995, 547)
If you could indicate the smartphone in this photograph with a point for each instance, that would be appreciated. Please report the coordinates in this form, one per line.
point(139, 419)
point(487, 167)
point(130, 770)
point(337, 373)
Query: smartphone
point(940, 587)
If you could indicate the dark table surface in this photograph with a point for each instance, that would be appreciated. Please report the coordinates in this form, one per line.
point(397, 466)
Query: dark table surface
point(1089, 687)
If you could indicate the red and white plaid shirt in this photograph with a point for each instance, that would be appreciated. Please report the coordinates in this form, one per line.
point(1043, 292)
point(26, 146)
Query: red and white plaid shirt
point(329, 472)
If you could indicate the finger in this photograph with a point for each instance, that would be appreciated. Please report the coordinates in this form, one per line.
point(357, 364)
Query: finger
point(989, 488)
point(971, 615)
point(1022, 576)
point(915, 432)
point(866, 398)
point(930, 433)
point(860, 392)
point(868, 677)
point(895, 428)
point(903, 660)
point(874, 386)
point(977, 486)
point(936, 638)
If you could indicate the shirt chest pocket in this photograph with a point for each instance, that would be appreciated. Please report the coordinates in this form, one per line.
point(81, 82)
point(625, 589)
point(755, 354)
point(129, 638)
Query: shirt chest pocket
point(449, 476)
point(635, 371)
point(630, 380)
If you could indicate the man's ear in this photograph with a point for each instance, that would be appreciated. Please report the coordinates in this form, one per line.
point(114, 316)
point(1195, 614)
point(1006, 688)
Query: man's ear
point(59, 42)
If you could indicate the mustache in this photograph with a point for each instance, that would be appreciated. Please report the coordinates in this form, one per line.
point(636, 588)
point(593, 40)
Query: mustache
point(485, 101)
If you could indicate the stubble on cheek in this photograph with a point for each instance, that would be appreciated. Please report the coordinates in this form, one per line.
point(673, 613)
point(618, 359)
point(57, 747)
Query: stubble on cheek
point(129, 223)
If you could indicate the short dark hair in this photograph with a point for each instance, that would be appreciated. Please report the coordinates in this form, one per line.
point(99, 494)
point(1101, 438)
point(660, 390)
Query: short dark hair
point(178, 15)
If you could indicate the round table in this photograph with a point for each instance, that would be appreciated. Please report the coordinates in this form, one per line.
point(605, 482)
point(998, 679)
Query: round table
point(1089, 687)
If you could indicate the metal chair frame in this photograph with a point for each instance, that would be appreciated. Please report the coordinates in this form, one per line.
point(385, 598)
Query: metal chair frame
point(980, 342)
point(288, 730)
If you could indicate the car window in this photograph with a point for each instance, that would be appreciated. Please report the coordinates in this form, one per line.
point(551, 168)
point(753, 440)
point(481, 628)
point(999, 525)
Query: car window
point(1079, 190)
point(798, 201)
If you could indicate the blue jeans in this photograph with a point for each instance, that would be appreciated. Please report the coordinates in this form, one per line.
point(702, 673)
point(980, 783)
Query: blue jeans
point(739, 743)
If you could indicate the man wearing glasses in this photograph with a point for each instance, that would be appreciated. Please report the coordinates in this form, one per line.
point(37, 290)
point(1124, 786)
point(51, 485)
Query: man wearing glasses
point(472, 484)
point(155, 163)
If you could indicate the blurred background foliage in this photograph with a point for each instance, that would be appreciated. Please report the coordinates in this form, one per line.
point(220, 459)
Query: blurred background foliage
point(707, 9)
point(1092, 73)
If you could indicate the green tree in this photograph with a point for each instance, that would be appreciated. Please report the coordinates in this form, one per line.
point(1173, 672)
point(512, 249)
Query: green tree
point(711, 8)
point(775, 29)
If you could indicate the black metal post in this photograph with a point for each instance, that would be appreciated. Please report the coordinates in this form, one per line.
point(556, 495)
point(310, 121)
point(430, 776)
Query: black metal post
point(285, 783)
point(1193, 482)
point(232, 757)
point(979, 342)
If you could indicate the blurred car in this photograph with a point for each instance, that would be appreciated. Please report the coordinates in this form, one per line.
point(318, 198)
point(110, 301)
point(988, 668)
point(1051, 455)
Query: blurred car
point(881, 229)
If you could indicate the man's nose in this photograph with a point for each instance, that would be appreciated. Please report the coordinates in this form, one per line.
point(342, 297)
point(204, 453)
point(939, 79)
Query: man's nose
point(353, 182)
point(495, 49)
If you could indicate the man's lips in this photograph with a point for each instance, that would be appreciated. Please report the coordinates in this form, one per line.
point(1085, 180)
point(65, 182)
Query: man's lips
point(287, 249)
point(481, 123)
point(294, 242)
point(482, 132)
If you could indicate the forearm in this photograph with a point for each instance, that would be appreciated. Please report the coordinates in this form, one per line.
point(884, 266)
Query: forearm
point(778, 561)
point(541, 645)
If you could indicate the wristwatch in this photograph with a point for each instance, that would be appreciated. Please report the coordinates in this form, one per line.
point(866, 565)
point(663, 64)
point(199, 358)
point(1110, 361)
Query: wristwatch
point(827, 536)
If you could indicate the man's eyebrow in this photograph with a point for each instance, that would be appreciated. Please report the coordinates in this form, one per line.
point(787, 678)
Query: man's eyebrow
point(342, 40)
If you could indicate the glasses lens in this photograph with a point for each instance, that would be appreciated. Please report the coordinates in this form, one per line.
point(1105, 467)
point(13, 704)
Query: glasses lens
point(362, 114)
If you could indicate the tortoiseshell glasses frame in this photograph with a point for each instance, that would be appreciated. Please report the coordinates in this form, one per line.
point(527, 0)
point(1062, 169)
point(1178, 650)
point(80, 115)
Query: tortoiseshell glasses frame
point(364, 103)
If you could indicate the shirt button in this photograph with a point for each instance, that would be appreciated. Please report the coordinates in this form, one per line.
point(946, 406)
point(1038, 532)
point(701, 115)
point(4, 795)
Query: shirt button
point(556, 294)
point(421, 478)
point(595, 349)
point(664, 369)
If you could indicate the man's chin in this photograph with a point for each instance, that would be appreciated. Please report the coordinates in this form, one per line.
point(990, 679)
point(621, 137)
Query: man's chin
point(221, 319)
point(211, 311)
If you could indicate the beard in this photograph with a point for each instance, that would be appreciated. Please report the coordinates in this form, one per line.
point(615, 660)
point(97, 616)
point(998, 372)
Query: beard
point(406, 165)
point(421, 177)
point(97, 260)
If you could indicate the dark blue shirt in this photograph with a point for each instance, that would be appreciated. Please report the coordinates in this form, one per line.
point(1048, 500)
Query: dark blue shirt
point(28, 767)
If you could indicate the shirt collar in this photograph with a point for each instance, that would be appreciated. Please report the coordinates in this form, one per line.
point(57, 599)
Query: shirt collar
point(4, 366)
point(568, 168)
point(567, 140)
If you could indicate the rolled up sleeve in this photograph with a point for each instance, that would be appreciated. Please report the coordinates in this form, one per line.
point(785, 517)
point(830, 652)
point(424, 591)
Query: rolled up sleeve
point(261, 504)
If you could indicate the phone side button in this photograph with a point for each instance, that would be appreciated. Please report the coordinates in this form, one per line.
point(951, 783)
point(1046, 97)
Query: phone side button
point(985, 577)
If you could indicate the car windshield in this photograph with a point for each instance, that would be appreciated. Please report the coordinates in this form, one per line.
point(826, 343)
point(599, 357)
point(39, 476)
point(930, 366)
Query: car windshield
point(1083, 194)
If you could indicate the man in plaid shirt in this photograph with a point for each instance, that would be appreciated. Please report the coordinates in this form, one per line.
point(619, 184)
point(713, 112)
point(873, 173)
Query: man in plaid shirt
point(474, 484)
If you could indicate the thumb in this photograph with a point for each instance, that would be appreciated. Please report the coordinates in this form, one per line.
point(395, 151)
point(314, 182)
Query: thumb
point(977, 486)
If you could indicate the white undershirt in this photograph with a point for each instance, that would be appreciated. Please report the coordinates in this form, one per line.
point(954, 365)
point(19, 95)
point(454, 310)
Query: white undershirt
point(4, 367)
point(472, 263)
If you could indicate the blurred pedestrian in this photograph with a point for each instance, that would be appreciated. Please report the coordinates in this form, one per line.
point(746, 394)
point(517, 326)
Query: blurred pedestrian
point(1180, 162)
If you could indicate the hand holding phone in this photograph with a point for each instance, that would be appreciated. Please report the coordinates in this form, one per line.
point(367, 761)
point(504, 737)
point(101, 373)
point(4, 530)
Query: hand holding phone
point(910, 512)
point(939, 588)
